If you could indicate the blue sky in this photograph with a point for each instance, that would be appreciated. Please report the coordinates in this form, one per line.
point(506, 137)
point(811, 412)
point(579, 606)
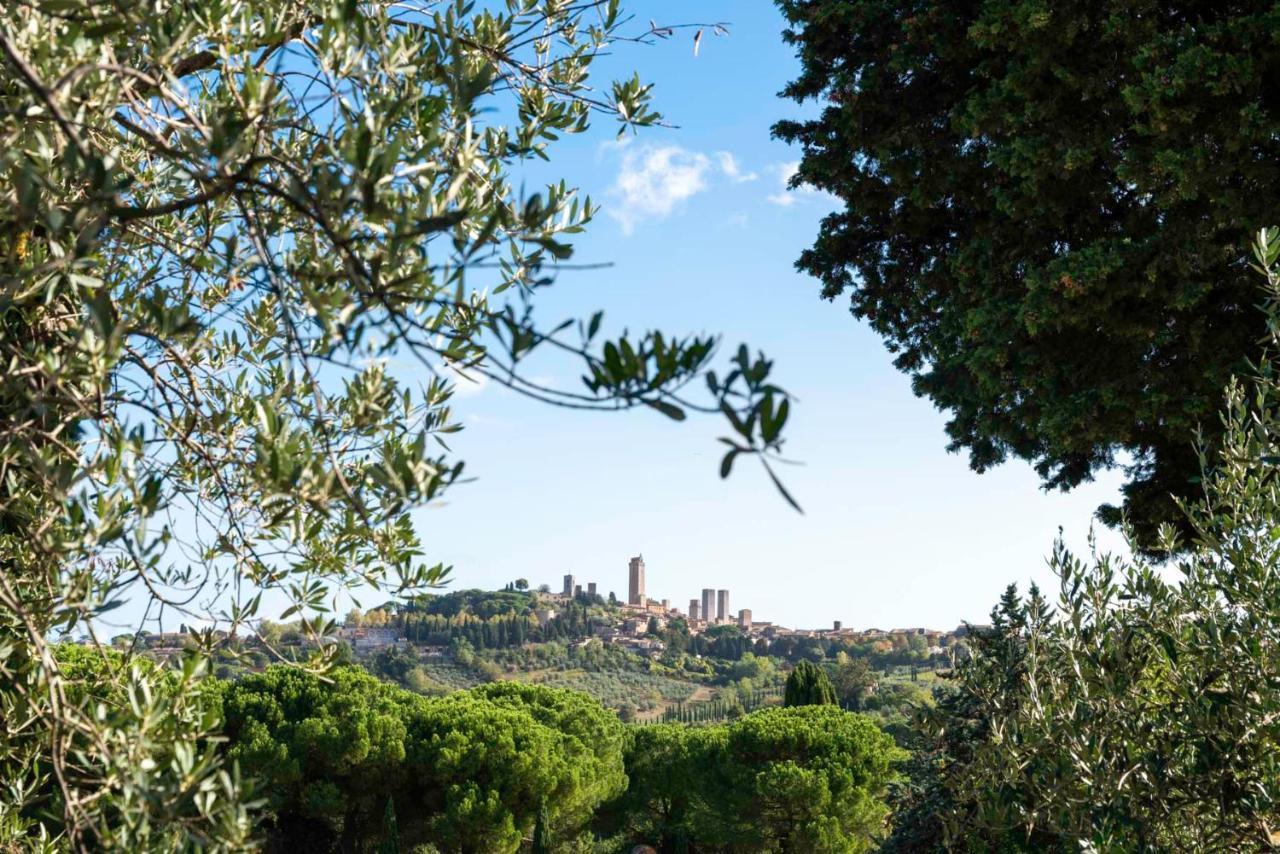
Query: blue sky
point(702, 237)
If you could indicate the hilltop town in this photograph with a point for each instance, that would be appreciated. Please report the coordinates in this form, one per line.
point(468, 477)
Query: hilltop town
point(644, 658)
point(639, 622)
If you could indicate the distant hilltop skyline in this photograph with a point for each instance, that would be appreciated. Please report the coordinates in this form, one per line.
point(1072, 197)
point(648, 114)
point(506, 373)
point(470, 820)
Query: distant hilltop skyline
point(710, 608)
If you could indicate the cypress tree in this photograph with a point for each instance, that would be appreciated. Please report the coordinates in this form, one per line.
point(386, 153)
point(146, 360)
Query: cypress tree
point(542, 832)
point(390, 832)
point(808, 685)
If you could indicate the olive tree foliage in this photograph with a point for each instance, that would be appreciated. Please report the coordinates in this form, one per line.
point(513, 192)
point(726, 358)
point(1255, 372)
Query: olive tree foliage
point(222, 221)
point(1143, 713)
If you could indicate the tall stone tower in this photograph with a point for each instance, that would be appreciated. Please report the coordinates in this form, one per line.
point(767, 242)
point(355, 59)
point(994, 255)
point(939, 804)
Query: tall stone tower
point(709, 604)
point(635, 581)
point(722, 606)
point(569, 584)
point(694, 614)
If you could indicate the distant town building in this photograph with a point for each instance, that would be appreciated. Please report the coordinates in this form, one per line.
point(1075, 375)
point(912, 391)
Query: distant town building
point(577, 590)
point(568, 585)
point(708, 604)
point(744, 618)
point(723, 614)
point(837, 626)
point(694, 612)
point(369, 637)
point(635, 581)
point(591, 588)
point(666, 605)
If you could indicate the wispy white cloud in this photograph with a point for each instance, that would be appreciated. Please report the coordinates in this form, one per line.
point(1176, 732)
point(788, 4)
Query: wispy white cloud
point(653, 181)
point(729, 166)
point(785, 197)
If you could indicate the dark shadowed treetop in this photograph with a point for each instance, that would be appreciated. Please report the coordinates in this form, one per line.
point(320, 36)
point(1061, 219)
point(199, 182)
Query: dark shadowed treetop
point(1045, 211)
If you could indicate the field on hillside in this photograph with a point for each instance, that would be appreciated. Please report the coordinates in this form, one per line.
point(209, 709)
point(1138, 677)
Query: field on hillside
point(641, 691)
point(451, 675)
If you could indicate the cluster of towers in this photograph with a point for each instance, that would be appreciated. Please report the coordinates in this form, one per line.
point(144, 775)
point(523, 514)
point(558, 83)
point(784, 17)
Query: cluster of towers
point(573, 588)
point(714, 607)
point(635, 584)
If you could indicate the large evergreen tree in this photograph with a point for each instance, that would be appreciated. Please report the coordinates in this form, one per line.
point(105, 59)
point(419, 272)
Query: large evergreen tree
point(1044, 206)
point(804, 779)
point(476, 771)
